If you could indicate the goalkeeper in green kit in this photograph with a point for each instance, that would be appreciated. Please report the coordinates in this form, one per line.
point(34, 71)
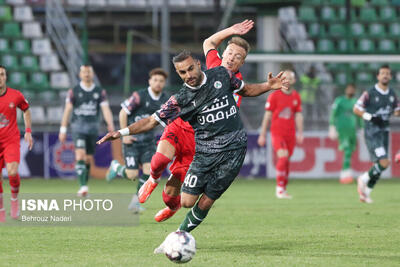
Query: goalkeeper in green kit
point(343, 125)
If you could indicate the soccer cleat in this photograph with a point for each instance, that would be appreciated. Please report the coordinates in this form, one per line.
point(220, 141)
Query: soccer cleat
point(135, 206)
point(2, 215)
point(164, 214)
point(14, 208)
point(362, 191)
point(346, 180)
point(397, 158)
point(146, 189)
point(83, 191)
point(112, 171)
point(281, 193)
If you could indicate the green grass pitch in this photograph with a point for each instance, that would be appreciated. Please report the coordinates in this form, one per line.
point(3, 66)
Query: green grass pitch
point(323, 225)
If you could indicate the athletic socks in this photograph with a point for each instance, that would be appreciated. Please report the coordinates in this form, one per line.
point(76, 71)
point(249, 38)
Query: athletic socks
point(87, 172)
point(172, 202)
point(193, 218)
point(347, 159)
point(141, 181)
point(81, 172)
point(121, 171)
point(158, 164)
point(282, 167)
point(374, 174)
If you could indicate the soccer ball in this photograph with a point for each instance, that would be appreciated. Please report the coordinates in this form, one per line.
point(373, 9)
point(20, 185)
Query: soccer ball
point(180, 246)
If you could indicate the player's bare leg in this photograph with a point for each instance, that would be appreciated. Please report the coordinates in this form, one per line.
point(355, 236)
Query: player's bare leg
point(282, 168)
point(172, 198)
point(81, 172)
point(160, 160)
point(13, 176)
point(2, 209)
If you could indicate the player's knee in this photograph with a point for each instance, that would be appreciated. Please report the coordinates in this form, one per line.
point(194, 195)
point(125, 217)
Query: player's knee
point(205, 203)
point(132, 174)
point(384, 163)
point(12, 169)
point(282, 153)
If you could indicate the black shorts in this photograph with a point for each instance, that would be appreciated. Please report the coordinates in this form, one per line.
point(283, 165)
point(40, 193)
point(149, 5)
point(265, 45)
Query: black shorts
point(212, 174)
point(135, 155)
point(85, 141)
point(377, 143)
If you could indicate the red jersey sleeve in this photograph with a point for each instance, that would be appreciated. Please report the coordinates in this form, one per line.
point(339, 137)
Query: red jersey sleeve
point(213, 59)
point(22, 102)
point(270, 104)
point(298, 107)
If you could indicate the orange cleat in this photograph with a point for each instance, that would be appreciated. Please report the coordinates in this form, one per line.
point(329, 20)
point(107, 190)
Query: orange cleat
point(164, 214)
point(346, 180)
point(146, 190)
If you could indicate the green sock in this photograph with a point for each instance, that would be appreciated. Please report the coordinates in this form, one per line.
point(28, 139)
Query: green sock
point(121, 171)
point(141, 181)
point(87, 172)
point(374, 174)
point(347, 159)
point(193, 218)
point(81, 172)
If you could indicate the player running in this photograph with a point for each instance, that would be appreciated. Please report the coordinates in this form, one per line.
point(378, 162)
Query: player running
point(343, 125)
point(10, 100)
point(283, 109)
point(178, 137)
point(375, 106)
point(84, 102)
point(139, 149)
point(207, 103)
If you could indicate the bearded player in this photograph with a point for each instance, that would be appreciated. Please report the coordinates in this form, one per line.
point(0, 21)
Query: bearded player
point(283, 110)
point(10, 100)
point(178, 137)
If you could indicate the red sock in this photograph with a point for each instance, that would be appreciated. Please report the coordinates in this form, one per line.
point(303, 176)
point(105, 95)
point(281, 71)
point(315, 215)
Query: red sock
point(281, 171)
point(14, 183)
point(158, 163)
point(1, 187)
point(173, 203)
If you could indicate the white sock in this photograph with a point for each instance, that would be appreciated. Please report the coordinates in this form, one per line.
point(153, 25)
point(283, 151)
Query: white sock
point(368, 191)
point(365, 177)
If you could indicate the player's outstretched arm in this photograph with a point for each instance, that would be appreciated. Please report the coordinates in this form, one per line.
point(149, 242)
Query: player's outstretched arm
point(216, 39)
point(273, 83)
point(28, 134)
point(62, 136)
point(141, 126)
point(123, 123)
point(264, 126)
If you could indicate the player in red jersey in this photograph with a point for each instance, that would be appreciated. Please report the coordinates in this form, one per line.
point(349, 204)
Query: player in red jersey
point(10, 100)
point(283, 109)
point(178, 137)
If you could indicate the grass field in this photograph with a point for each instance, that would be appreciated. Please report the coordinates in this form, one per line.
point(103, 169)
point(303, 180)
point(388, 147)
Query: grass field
point(324, 225)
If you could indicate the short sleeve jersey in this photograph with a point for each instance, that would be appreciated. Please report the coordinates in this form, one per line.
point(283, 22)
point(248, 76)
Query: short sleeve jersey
point(380, 103)
point(283, 107)
point(211, 110)
point(214, 60)
point(86, 111)
point(142, 104)
point(9, 102)
point(342, 116)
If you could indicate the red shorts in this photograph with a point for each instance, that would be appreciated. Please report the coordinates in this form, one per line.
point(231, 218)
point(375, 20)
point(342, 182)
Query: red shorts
point(283, 142)
point(183, 141)
point(9, 152)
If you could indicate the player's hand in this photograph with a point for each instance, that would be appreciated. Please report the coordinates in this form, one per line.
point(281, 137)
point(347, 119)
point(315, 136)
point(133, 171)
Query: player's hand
point(261, 140)
point(333, 135)
point(29, 140)
point(129, 139)
point(62, 137)
point(242, 27)
point(109, 137)
point(277, 82)
point(376, 119)
point(299, 138)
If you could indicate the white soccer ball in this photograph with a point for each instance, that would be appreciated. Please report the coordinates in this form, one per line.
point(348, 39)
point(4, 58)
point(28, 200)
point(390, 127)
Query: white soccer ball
point(180, 246)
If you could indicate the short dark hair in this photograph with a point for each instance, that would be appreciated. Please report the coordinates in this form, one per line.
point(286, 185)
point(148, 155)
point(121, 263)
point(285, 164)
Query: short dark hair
point(158, 71)
point(182, 56)
point(351, 84)
point(384, 66)
point(3, 67)
point(239, 41)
